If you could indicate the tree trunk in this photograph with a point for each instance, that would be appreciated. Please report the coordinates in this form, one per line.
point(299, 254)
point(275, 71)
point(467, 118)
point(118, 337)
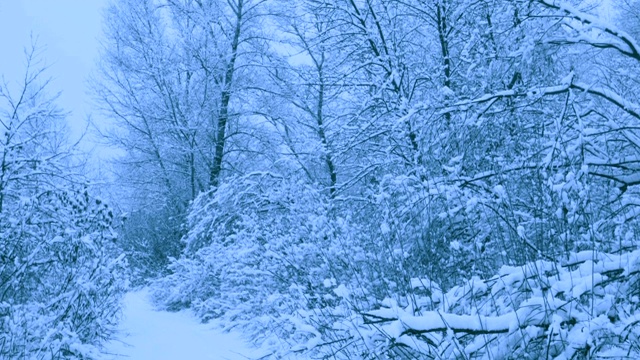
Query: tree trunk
point(225, 98)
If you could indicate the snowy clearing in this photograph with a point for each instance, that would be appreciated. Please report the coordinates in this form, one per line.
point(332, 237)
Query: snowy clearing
point(151, 334)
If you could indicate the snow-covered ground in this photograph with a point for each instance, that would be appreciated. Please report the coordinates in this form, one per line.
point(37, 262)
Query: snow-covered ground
point(158, 335)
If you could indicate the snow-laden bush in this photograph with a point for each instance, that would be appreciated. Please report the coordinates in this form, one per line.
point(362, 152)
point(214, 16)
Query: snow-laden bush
point(532, 172)
point(61, 280)
point(279, 259)
point(584, 307)
point(297, 269)
point(264, 252)
point(148, 252)
point(61, 277)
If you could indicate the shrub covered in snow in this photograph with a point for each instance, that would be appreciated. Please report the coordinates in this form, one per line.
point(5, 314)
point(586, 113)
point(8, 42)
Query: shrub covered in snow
point(353, 242)
point(255, 257)
point(583, 307)
point(60, 275)
point(309, 283)
point(60, 278)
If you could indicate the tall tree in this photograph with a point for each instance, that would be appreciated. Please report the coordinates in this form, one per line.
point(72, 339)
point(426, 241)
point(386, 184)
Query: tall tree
point(172, 75)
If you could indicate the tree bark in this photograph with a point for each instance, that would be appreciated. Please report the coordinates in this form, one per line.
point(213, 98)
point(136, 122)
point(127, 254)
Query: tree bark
point(225, 98)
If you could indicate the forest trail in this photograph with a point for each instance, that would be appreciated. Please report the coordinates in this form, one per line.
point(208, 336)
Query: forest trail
point(161, 335)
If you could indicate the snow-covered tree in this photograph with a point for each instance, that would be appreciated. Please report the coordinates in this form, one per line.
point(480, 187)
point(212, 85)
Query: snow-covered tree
point(175, 75)
point(425, 139)
point(61, 279)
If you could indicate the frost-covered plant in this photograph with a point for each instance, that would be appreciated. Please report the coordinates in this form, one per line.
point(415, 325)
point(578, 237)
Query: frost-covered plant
point(61, 281)
point(61, 278)
point(148, 252)
point(472, 136)
point(584, 307)
point(264, 249)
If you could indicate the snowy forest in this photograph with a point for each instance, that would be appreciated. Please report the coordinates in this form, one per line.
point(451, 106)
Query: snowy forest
point(337, 179)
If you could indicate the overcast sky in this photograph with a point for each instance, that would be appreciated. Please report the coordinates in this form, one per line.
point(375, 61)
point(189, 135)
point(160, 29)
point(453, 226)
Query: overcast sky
point(68, 33)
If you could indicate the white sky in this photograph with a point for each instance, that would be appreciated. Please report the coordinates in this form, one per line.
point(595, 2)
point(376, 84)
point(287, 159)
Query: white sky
point(68, 33)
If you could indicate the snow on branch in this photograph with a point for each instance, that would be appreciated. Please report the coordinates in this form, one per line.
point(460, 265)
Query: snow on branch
point(583, 306)
point(534, 92)
point(629, 107)
point(619, 40)
point(610, 96)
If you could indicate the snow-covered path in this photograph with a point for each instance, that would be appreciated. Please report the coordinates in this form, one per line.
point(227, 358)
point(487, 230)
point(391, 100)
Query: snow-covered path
point(160, 335)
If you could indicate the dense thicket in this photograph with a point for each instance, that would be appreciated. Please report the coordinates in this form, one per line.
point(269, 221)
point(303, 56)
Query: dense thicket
point(345, 149)
point(172, 73)
point(61, 279)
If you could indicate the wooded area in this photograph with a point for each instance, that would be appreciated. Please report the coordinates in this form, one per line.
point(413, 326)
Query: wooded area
point(349, 179)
